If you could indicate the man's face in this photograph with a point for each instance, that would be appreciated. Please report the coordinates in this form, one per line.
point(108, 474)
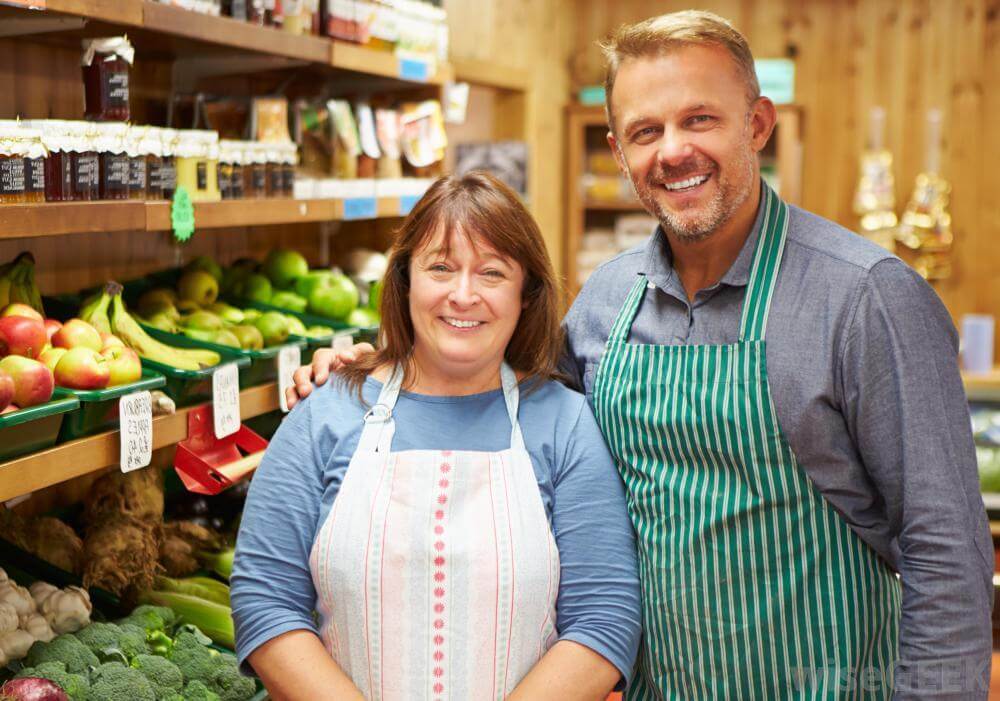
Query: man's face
point(687, 137)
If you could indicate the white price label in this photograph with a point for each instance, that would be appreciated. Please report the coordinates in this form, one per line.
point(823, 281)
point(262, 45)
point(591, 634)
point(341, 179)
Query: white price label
point(342, 342)
point(289, 360)
point(135, 416)
point(226, 400)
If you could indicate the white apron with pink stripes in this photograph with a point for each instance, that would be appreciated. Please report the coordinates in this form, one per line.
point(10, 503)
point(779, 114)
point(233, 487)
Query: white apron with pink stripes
point(436, 572)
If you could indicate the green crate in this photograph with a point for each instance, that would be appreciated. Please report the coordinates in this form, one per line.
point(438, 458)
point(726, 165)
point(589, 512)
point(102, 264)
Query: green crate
point(262, 365)
point(35, 428)
point(99, 407)
point(187, 387)
point(366, 333)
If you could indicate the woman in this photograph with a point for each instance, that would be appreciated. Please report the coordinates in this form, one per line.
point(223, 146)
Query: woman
point(449, 510)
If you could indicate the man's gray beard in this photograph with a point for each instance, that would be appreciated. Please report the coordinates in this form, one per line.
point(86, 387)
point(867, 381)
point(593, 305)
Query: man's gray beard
point(728, 198)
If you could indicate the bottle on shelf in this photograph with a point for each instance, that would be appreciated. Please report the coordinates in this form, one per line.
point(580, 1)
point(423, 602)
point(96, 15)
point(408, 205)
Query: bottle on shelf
point(106, 64)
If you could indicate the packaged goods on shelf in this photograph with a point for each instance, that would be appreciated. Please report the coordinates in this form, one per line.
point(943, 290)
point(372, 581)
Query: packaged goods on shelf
point(106, 64)
point(632, 230)
point(423, 136)
point(205, 7)
point(414, 30)
point(110, 144)
point(22, 165)
point(606, 188)
point(197, 156)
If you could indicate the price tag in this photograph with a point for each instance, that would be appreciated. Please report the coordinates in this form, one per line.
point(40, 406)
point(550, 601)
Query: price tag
point(135, 415)
point(226, 400)
point(182, 215)
point(407, 203)
point(342, 342)
point(360, 208)
point(413, 69)
point(289, 360)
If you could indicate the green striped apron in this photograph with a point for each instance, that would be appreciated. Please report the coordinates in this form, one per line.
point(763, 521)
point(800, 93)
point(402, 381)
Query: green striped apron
point(753, 586)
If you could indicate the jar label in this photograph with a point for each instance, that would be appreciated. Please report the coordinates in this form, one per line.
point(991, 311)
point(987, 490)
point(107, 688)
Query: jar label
point(137, 173)
point(288, 184)
point(88, 172)
point(277, 181)
point(226, 180)
point(12, 176)
point(115, 89)
point(259, 179)
point(202, 175)
point(66, 165)
point(168, 179)
point(155, 174)
point(34, 175)
point(236, 185)
point(115, 173)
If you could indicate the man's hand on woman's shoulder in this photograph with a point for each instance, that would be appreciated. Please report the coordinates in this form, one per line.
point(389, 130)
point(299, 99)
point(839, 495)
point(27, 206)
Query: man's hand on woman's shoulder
point(325, 361)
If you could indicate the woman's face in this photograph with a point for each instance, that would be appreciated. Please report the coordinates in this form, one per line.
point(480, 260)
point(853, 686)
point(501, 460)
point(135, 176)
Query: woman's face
point(464, 304)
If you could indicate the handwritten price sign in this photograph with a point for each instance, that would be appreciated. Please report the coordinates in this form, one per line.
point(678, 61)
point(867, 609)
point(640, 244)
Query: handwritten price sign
point(135, 415)
point(289, 360)
point(226, 400)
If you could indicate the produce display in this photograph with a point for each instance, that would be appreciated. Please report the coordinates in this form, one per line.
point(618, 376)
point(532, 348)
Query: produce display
point(106, 312)
point(284, 280)
point(37, 615)
point(193, 308)
point(986, 431)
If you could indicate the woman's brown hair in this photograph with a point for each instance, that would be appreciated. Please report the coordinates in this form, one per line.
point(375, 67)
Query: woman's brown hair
point(474, 205)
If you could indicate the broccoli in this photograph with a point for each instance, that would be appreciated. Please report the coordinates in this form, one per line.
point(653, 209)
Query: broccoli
point(65, 648)
point(229, 684)
point(152, 618)
point(195, 660)
point(132, 640)
point(76, 686)
point(113, 681)
point(197, 691)
point(163, 674)
point(173, 696)
point(102, 638)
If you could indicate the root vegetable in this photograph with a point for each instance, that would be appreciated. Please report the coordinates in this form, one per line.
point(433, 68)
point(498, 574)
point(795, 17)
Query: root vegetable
point(32, 689)
point(16, 643)
point(45, 537)
point(37, 627)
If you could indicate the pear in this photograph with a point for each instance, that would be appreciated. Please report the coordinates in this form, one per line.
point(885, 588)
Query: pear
point(203, 320)
point(249, 337)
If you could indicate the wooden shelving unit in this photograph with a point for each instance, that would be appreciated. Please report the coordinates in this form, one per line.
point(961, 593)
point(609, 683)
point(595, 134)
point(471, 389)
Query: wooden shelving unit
point(64, 218)
point(86, 455)
point(586, 131)
point(983, 387)
point(163, 29)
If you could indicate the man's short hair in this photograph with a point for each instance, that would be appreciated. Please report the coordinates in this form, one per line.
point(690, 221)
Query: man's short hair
point(659, 35)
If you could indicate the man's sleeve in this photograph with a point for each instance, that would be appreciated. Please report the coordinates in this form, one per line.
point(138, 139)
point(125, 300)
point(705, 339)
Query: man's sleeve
point(906, 410)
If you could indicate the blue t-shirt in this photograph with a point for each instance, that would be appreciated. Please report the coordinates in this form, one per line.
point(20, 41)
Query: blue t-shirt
point(294, 488)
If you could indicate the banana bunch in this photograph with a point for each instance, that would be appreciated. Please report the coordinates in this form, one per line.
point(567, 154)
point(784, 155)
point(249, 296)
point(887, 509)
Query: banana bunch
point(17, 283)
point(106, 312)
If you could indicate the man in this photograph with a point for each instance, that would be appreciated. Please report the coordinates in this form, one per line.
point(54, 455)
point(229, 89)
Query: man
point(784, 403)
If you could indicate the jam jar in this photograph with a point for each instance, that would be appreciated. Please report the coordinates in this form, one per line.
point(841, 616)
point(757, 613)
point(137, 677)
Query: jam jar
point(290, 153)
point(113, 160)
point(169, 139)
point(275, 171)
point(197, 157)
point(106, 64)
point(137, 174)
point(151, 145)
point(13, 149)
point(58, 163)
point(34, 166)
point(86, 162)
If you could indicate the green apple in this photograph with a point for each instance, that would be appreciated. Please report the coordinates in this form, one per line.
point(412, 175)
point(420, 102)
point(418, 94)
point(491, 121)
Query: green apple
point(295, 326)
point(249, 337)
point(225, 337)
point(363, 317)
point(255, 288)
point(283, 266)
point(305, 285)
point(228, 313)
point(207, 264)
point(203, 321)
point(335, 300)
point(289, 300)
point(273, 326)
point(198, 286)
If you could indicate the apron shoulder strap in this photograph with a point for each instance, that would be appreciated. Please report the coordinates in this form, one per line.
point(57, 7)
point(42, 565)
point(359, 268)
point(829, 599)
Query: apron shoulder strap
point(626, 315)
point(376, 436)
point(766, 262)
point(512, 397)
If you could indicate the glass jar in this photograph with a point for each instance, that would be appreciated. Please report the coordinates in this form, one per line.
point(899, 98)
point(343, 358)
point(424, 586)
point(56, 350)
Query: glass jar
point(198, 164)
point(113, 160)
point(34, 167)
point(291, 156)
point(275, 172)
point(169, 138)
point(137, 175)
point(58, 162)
point(226, 152)
point(86, 163)
point(13, 149)
point(151, 146)
point(106, 64)
point(254, 170)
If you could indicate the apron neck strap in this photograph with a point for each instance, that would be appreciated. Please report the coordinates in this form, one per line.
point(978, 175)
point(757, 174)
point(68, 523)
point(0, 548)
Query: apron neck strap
point(376, 436)
point(763, 276)
point(766, 263)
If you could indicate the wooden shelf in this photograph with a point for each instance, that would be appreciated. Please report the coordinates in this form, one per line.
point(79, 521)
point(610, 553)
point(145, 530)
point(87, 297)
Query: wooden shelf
point(612, 206)
point(44, 469)
point(57, 218)
point(62, 218)
point(163, 30)
point(983, 387)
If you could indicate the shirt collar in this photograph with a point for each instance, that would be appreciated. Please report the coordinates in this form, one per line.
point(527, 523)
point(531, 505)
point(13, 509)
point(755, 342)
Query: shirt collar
point(658, 262)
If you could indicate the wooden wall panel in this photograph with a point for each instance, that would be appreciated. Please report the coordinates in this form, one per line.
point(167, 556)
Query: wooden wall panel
point(904, 55)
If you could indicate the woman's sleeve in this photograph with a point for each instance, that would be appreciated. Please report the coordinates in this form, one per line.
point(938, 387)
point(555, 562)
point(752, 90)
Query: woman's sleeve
point(598, 603)
point(271, 586)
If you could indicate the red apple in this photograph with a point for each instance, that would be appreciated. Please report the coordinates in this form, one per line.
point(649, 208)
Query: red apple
point(6, 390)
point(9, 410)
point(33, 382)
point(77, 333)
point(20, 335)
point(51, 326)
point(124, 364)
point(83, 368)
point(18, 309)
point(50, 357)
point(108, 340)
